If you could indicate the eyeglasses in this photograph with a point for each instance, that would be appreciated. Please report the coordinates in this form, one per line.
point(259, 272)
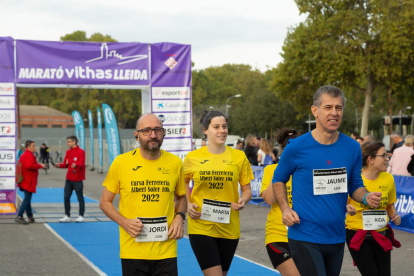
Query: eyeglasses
point(148, 131)
point(385, 155)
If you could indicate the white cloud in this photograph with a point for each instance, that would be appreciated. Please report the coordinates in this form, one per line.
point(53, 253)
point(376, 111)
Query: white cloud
point(220, 32)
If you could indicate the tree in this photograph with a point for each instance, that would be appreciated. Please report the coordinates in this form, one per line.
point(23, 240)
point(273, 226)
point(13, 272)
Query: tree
point(344, 43)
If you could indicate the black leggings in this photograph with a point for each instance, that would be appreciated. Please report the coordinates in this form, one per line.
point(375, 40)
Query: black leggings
point(212, 252)
point(371, 259)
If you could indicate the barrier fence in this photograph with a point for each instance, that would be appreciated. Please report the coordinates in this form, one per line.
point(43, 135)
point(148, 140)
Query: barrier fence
point(404, 205)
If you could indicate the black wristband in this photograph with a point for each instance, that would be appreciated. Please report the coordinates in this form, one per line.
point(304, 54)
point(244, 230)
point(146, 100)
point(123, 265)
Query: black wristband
point(181, 214)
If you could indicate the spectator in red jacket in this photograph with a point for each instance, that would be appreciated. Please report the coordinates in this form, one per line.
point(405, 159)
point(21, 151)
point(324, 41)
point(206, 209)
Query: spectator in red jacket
point(75, 163)
point(29, 172)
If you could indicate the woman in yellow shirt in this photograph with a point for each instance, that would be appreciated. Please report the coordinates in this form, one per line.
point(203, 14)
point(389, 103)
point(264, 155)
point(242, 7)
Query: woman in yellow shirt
point(214, 203)
point(362, 220)
point(276, 232)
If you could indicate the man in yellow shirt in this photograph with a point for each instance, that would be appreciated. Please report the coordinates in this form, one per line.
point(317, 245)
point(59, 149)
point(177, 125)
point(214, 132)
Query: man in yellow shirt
point(148, 180)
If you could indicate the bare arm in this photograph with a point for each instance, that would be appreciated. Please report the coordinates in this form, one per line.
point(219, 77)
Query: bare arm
point(244, 199)
point(392, 212)
point(176, 230)
point(259, 157)
point(268, 195)
point(290, 217)
point(373, 199)
point(132, 226)
point(191, 207)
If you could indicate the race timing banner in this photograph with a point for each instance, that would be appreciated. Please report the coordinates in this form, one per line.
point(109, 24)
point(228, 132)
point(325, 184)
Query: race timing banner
point(161, 71)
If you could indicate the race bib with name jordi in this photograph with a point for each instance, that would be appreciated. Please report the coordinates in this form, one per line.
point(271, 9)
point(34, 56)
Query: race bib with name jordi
point(330, 181)
point(155, 229)
point(216, 211)
point(374, 219)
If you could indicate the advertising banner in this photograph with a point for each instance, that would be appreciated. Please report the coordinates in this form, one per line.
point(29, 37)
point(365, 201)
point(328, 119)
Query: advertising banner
point(80, 128)
point(112, 135)
point(7, 127)
point(100, 137)
point(91, 133)
point(405, 202)
point(82, 63)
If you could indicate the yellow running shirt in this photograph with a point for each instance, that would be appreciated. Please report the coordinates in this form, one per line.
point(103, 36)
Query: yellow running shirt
point(384, 184)
point(216, 177)
point(146, 189)
point(276, 231)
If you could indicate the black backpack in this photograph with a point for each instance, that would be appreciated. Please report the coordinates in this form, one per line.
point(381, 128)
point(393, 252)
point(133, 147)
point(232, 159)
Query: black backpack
point(410, 167)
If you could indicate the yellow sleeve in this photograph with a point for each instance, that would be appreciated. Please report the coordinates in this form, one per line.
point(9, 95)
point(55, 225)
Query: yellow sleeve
point(111, 181)
point(180, 187)
point(392, 194)
point(188, 173)
point(246, 173)
point(267, 178)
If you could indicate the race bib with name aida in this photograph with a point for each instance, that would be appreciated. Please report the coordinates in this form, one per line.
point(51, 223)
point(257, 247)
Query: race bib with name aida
point(374, 219)
point(330, 181)
point(155, 229)
point(216, 211)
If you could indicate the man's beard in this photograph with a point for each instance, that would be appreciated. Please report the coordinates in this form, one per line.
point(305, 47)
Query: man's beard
point(149, 148)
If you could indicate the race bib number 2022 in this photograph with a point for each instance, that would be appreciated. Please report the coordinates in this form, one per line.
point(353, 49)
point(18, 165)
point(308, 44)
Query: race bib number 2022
point(330, 181)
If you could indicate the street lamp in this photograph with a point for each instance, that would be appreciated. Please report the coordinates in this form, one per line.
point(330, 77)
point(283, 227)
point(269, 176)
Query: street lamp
point(401, 113)
point(227, 106)
point(356, 109)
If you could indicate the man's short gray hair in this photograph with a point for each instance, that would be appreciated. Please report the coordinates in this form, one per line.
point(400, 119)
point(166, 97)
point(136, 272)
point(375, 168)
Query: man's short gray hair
point(332, 91)
point(396, 133)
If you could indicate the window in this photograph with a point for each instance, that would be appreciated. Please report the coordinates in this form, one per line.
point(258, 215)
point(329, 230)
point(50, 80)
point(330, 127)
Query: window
point(27, 125)
point(70, 126)
point(56, 126)
point(42, 126)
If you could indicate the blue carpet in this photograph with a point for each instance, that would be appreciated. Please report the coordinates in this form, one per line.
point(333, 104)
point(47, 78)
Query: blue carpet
point(52, 195)
point(99, 242)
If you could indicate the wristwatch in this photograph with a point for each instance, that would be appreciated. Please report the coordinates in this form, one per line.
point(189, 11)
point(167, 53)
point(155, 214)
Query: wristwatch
point(181, 214)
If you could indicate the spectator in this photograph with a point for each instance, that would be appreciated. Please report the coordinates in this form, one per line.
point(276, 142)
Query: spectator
point(265, 155)
point(354, 135)
point(20, 151)
point(44, 155)
point(401, 157)
point(360, 140)
point(274, 150)
point(239, 145)
point(29, 172)
point(369, 138)
point(75, 163)
point(397, 140)
point(250, 151)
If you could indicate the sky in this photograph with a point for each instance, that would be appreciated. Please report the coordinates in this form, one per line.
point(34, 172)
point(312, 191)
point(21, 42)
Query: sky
point(220, 32)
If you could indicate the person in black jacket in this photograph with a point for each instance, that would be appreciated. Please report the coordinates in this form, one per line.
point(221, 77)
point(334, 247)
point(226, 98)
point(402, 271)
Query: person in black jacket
point(250, 149)
point(44, 155)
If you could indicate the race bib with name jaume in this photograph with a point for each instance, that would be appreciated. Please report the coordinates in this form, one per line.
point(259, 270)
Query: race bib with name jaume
point(216, 211)
point(330, 181)
point(155, 229)
point(374, 219)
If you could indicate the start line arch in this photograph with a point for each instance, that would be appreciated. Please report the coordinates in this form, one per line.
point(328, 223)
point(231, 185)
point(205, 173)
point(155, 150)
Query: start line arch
point(162, 71)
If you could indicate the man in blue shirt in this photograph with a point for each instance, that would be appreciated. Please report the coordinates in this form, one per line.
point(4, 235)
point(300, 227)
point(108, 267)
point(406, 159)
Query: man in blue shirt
point(325, 166)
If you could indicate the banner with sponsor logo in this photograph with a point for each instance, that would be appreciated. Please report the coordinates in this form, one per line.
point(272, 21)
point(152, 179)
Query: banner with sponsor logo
point(112, 135)
point(80, 129)
point(82, 63)
point(91, 133)
point(100, 137)
point(7, 127)
point(171, 95)
point(405, 202)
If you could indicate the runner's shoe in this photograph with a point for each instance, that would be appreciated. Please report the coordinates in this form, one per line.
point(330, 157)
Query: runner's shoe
point(32, 220)
point(21, 220)
point(79, 219)
point(65, 219)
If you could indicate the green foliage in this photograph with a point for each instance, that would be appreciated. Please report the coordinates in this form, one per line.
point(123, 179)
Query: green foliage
point(358, 45)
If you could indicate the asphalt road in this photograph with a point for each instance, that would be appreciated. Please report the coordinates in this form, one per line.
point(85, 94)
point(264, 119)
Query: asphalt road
point(34, 250)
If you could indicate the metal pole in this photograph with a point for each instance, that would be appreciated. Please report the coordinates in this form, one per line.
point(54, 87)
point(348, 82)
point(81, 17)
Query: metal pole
point(356, 109)
point(227, 108)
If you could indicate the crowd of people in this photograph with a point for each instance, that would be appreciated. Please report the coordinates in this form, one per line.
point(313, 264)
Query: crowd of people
point(320, 176)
